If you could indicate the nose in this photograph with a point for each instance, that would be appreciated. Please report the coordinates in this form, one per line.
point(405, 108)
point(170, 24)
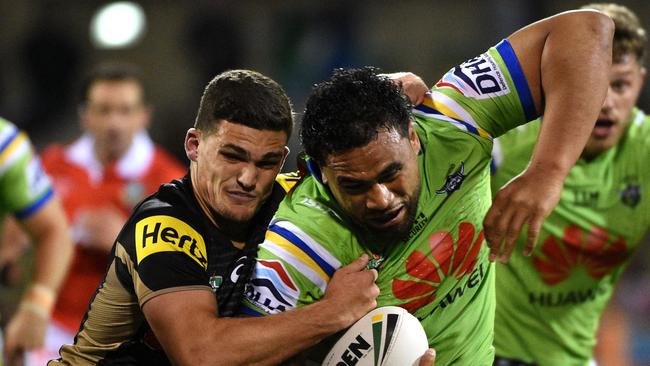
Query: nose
point(608, 103)
point(379, 197)
point(247, 177)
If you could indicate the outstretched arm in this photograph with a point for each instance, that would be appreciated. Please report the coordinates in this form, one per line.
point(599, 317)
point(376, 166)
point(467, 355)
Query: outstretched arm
point(566, 60)
point(177, 318)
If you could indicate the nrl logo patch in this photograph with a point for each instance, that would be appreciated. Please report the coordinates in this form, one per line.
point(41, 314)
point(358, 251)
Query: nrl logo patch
point(215, 282)
point(631, 195)
point(454, 180)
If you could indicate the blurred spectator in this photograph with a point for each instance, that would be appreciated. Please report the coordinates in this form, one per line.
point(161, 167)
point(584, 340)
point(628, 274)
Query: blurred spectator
point(26, 194)
point(101, 176)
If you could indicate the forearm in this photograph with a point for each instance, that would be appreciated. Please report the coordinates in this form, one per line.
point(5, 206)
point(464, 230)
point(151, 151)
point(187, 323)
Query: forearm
point(188, 328)
point(52, 259)
point(573, 93)
point(53, 253)
point(266, 340)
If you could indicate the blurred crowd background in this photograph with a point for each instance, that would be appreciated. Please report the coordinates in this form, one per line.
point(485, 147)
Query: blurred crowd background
point(47, 46)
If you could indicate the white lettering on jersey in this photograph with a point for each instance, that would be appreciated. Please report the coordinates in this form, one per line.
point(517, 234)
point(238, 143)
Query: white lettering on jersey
point(479, 78)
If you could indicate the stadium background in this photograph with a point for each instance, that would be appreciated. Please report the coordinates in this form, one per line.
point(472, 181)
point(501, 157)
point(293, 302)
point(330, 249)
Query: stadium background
point(46, 47)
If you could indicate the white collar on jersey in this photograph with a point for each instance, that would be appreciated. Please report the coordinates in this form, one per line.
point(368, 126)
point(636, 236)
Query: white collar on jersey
point(131, 165)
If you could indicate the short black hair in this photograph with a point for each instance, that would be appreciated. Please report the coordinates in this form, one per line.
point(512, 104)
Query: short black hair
point(248, 98)
point(348, 110)
point(112, 71)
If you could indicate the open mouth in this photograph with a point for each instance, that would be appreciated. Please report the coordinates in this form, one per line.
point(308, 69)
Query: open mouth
point(603, 128)
point(387, 219)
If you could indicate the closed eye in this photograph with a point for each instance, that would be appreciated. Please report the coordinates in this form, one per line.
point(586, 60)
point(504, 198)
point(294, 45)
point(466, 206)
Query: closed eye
point(232, 157)
point(268, 164)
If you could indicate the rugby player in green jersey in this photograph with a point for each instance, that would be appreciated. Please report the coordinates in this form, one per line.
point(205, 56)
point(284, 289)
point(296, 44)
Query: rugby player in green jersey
point(28, 200)
point(413, 189)
point(549, 305)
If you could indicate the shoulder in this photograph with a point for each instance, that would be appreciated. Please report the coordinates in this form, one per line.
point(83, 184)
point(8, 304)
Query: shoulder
point(639, 129)
point(288, 180)
point(310, 216)
point(6, 125)
point(173, 198)
point(53, 154)
point(167, 221)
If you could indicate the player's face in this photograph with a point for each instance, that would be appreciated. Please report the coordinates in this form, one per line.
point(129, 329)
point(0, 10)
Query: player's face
point(625, 82)
point(235, 167)
point(113, 114)
point(378, 184)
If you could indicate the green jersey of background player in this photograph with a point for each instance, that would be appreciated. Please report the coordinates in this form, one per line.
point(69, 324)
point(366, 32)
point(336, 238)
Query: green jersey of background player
point(27, 195)
point(549, 305)
point(414, 195)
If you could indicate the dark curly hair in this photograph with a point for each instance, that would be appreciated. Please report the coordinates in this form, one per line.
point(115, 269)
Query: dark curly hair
point(349, 109)
point(245, 97)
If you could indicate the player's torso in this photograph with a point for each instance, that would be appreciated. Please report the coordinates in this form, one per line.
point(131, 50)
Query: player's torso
point(440, 273)
point(182, 236)
point(583, 247)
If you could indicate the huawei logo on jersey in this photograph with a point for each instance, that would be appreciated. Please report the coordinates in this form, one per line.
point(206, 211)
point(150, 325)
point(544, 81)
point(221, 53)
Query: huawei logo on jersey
point(446, 259)
point(592, 249)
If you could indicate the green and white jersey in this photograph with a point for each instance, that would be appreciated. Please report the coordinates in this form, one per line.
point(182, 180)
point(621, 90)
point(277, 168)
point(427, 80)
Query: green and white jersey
point(549, 305)
point(24, 185)
point(440, 273)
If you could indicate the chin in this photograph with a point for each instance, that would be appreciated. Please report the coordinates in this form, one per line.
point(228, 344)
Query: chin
point(239, 214)
point(393, 234)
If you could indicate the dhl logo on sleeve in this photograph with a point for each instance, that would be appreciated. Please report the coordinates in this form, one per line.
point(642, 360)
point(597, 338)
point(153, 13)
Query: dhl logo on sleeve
point(168, 234)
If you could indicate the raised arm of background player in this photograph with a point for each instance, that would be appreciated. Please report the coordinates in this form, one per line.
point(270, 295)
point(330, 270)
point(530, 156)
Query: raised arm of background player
point(566, 60)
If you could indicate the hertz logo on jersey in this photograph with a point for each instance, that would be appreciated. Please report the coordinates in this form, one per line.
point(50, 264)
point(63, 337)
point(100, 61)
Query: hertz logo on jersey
point(168, 234)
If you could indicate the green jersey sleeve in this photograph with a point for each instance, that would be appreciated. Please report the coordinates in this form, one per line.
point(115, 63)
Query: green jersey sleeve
point(24, 185)
point(295, 262)
point(486, 95)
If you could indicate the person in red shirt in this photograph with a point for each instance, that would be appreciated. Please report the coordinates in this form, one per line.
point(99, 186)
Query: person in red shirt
point(100, 177)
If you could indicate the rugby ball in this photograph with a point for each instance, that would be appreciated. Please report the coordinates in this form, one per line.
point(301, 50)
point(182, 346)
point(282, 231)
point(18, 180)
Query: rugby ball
point(386, 336)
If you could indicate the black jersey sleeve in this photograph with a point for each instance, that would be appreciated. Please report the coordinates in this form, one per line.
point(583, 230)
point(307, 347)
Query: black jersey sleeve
point(167, 253)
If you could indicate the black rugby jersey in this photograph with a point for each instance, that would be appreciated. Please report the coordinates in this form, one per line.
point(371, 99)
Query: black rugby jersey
point(168, 244)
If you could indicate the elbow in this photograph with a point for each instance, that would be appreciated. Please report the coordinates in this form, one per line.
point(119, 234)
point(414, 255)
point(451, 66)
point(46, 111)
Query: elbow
point(599, 24)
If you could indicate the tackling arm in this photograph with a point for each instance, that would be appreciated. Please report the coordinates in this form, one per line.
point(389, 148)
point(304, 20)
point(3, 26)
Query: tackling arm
point(187, 326)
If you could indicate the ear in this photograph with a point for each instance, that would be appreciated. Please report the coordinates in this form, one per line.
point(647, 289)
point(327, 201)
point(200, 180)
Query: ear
point(192, 142)
point(82, 112)
point(147, 115)
point(323, 177)
point(285, 153)
point(643, 75)
point(414, 139)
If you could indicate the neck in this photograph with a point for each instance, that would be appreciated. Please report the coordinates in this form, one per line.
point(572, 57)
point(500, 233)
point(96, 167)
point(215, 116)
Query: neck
point(104, 156)
point(202, 202)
